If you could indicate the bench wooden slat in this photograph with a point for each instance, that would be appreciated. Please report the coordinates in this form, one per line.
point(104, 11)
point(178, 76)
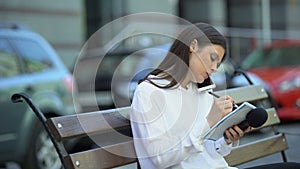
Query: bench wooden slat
point(70, 126)
point(245, 93)
point(119, 117)
point(106, 157)
point(89, 123)
point(257, 149)
point(273, 118)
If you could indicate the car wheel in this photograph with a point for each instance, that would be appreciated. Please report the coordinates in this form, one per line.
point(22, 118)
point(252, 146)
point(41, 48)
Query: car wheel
point(42, 154)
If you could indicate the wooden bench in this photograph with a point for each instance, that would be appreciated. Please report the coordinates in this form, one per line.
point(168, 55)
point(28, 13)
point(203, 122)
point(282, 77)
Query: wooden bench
point(117, 149)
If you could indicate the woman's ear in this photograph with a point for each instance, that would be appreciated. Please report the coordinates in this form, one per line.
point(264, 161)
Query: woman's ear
point(194, 46)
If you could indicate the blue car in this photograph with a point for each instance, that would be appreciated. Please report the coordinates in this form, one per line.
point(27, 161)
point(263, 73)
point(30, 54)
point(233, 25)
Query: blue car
point(29, 64)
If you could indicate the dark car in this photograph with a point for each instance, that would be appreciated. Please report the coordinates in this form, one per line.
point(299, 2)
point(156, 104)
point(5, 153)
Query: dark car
point(29, 64)
point(277, 67)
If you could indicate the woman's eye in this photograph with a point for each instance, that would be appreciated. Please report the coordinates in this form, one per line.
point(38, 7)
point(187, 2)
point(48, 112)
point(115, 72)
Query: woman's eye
point(213, 58)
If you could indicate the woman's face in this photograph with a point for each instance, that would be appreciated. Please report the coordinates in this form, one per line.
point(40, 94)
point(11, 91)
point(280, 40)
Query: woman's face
point(205, 61)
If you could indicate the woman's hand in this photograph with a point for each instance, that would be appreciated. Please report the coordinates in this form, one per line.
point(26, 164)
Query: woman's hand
point(235, 133)
point(220, 108)
point(224, 105)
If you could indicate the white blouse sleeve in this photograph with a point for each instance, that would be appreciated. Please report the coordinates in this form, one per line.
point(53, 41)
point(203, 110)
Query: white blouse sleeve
point(153, 139)
point(219, 147)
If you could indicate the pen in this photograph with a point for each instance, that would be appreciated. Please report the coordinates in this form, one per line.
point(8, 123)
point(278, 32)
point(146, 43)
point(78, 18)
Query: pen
point(217, 96)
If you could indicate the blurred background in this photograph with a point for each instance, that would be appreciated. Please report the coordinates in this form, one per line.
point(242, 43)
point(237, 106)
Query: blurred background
point(263, 38)
point(67, 24)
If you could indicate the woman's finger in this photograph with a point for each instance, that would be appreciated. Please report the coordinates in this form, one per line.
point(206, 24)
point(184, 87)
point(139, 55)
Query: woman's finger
point(239, 131)
point(225, 105)
point(248, 129)
point(234, 133)
point(230, 134)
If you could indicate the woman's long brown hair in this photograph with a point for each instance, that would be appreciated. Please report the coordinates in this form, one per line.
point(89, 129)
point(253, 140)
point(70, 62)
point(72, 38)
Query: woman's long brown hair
point(176, 64)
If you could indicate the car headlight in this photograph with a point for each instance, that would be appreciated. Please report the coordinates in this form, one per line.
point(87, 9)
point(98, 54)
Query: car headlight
point(289, 85)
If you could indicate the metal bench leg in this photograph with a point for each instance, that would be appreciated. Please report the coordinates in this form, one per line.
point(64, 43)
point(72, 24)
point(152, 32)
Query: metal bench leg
point(283, 156)
point(138, 165)
point(19, 97)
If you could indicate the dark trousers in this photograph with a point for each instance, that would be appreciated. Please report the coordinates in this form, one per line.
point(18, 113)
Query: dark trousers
point(287, 165)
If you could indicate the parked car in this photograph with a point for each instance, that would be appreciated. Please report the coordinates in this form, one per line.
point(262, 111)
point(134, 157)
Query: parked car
point(29, 64)
point(277, 67)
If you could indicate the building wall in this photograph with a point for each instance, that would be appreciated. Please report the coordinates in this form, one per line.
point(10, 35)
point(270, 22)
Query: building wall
point(165, 6)
point(61, 22)
point(109, 19)
point(293, 22)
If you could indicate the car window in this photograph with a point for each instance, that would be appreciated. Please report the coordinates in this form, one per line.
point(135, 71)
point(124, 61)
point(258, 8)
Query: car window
point(8, 60)
point(287, 56)
point(35, 58)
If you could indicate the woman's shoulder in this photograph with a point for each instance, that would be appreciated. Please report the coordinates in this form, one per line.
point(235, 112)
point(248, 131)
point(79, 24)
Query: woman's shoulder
point(144, 90)
point(154, 82)
point(146, 85)
point(151, 84)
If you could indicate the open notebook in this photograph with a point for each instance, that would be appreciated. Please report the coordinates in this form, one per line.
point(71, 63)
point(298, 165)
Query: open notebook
point(233, 118)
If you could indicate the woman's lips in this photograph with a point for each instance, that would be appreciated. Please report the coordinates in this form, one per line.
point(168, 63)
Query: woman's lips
point(206, 76)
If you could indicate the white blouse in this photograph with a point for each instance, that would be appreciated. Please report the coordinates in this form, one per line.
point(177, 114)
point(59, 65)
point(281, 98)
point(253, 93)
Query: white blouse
point(168, 125)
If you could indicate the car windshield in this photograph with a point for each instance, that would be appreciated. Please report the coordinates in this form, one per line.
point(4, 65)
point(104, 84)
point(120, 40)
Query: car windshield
point(273, 57)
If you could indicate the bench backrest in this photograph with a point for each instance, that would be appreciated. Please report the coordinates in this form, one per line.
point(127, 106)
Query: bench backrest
point(104, 124)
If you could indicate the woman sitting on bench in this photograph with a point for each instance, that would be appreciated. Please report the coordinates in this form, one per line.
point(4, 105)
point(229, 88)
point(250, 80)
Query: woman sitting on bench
point(171, 110)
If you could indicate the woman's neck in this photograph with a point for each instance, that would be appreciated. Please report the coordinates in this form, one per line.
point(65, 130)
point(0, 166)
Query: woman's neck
point(186, 81)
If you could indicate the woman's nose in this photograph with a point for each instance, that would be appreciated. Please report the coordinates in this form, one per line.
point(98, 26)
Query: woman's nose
point(214, 68)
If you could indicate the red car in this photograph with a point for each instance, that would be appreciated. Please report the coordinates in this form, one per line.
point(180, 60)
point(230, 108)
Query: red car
point(277, 67)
